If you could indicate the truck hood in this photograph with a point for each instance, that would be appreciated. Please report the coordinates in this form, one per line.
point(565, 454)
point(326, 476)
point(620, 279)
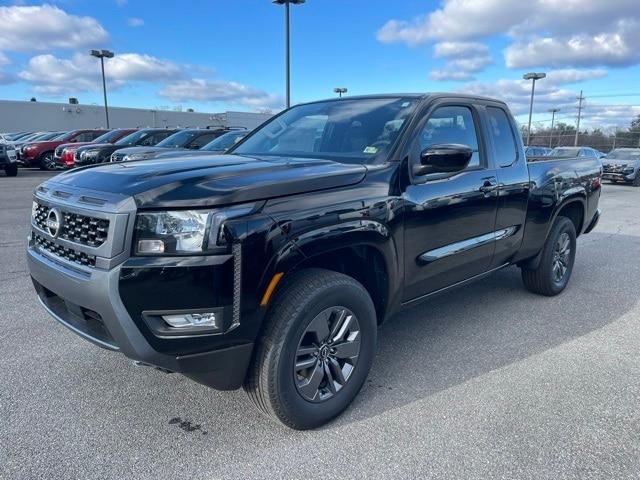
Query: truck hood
point(212, 180)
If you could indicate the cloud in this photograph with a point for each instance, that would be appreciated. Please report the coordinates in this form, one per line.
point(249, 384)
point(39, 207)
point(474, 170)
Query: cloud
point(45, 27)
point(459, 49)
point(4, 76)
point(552, 93)
point(572, 75)
point(465, 59)
point(543, 33)
point(203, 90)
point(54, 76)
point(618, 48)
point(460, 69)
point(135, 22)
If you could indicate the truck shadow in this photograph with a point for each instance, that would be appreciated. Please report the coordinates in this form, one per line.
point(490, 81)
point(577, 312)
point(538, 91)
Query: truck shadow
point(491, 324)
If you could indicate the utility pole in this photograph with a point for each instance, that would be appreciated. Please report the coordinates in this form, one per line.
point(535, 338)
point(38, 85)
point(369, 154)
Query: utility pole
point(287, 62)
point(580, 99)
point(102, 54)
point(532, 76)
point(340, 91)
point(553, 117)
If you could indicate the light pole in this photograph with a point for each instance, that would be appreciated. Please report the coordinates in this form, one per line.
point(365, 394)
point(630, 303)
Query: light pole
point(532, 76)
point(102, 54)
point(553, 117)
point(287, 68)
point(340, 91)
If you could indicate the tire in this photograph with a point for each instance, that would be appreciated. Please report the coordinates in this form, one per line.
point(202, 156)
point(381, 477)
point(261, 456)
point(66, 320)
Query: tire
point(284, 392)
point(545, 279)
point(46, 162)
point(11, 170)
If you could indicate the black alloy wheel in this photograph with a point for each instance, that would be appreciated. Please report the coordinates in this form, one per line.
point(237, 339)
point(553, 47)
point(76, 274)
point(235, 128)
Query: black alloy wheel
point(327, 354)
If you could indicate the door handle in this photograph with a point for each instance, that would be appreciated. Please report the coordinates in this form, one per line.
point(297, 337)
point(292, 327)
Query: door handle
point(489, 186)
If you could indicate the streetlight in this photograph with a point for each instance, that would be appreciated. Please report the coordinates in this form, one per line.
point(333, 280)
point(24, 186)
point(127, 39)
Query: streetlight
point(532, 76)
point(286, 49)
point(553, 117)
point(102, 54)
point(340, 91)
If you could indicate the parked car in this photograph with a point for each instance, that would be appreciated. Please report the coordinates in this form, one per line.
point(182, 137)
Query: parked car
point(571, 152)
point(20, 145)
point(188, 139)
point(64, 155)
point(40, 153)
point(8, 160)
point(271, 267)
point(622, 165)
point(216, 147)
point(535, 151)
point(93, 154)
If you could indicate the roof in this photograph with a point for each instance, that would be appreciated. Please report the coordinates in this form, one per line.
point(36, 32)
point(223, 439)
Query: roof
point(420, 96)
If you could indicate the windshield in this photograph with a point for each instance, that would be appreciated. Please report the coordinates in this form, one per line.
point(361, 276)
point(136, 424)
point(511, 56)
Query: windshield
point(564, 152)
point(224, 142)
point(135, 137)
point(347, 130)
point(179, 139)
point(624, 154)
point(108, 137)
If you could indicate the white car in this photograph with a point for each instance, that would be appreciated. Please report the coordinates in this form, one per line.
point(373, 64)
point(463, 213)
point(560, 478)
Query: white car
point(8, 160)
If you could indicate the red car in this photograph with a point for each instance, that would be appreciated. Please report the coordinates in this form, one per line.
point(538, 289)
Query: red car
point(40, 154)
point(64, 154)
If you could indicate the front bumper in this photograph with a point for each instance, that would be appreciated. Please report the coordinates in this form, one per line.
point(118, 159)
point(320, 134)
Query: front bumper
point(104, 300)
point(91, 307)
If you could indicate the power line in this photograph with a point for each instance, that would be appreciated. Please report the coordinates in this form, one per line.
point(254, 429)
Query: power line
point(580, 99)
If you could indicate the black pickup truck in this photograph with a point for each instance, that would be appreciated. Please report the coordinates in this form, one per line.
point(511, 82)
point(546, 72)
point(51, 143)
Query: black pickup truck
point(270, 267)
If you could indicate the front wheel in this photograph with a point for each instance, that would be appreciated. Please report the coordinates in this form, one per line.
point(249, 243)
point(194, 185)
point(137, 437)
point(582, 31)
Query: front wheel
point(316, 350)
point(11, 170)
point(556, 264)
point(47, 162)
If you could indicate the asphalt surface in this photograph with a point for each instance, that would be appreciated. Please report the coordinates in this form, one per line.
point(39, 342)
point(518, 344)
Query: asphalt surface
point(489, 381)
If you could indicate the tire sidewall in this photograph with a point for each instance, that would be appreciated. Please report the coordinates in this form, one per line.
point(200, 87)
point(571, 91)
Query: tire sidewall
point(564, 226)
point(309, 414)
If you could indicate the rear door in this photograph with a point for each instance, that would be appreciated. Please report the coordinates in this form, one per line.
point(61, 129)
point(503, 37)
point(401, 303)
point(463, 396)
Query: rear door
point(449, 218)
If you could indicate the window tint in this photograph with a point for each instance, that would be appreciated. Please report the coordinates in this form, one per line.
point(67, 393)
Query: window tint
point(346, 130)
point(154, 138)
point(504, 145)
point(451, 125)
point(202, 140)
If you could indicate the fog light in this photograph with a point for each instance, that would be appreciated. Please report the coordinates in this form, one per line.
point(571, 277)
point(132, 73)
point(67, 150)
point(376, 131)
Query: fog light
point(207, 319)
point(150, 246)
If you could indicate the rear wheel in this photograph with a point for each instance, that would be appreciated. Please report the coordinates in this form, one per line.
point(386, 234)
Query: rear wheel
point(556, 264)
point(11, 170)
point(316, 350)
point(47, 161)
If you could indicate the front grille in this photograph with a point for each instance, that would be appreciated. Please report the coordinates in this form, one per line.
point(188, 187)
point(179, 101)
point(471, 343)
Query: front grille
point(65, 253)
point(76, 228)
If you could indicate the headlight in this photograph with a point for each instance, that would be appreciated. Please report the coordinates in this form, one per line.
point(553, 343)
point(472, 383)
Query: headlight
point(134, 156)
point(181, 232)
point(87, 154)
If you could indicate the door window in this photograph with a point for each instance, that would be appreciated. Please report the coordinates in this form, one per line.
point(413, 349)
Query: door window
point(451, 124)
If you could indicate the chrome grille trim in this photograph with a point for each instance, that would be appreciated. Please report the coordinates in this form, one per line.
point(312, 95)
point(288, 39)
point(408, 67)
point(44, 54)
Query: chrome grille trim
point(96, 227)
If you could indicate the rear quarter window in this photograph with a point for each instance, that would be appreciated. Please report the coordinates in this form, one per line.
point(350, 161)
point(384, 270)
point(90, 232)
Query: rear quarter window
point(504, 143)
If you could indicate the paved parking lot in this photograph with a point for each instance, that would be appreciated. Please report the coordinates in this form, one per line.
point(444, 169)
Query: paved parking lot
point(489, 381)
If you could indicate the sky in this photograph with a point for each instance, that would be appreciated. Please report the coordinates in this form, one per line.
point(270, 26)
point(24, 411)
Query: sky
point(214, 55)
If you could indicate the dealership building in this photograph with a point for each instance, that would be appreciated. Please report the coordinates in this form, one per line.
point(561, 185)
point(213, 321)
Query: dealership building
point(35, 116)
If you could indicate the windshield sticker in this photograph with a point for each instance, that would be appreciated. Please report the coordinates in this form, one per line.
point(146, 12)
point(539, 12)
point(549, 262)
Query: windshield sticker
point(371, 150)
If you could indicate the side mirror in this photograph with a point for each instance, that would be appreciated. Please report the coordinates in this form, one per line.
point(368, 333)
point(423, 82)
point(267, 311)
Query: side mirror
point(443, 158)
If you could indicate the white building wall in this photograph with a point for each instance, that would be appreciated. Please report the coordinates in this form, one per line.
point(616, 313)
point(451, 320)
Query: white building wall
point(34, 116)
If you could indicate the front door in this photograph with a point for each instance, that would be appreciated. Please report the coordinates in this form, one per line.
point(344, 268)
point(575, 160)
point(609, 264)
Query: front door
point(449, 218)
